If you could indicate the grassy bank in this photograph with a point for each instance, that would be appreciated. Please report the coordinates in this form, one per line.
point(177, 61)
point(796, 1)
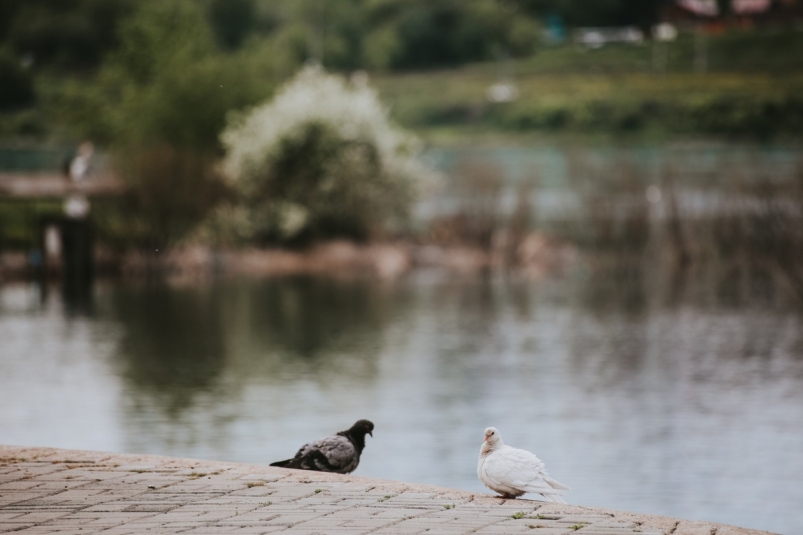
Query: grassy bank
point(752, 88)
point(730, 105)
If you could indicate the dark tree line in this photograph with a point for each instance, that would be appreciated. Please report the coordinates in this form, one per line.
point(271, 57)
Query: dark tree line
point(69, 34)
point(75, 34)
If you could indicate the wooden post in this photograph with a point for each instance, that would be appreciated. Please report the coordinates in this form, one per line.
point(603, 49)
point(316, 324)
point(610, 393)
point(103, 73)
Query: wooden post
point(77, 246)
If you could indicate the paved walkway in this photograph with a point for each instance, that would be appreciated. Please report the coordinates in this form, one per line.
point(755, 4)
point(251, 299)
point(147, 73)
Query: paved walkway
point(48, 491)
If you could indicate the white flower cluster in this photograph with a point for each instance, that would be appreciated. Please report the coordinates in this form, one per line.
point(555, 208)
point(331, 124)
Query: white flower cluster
point(350, 107)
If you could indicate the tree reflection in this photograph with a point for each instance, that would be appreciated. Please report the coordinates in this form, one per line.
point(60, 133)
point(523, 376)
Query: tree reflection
point(182, 342)
point(309, 317)
point(174, 342)
point(615, 284)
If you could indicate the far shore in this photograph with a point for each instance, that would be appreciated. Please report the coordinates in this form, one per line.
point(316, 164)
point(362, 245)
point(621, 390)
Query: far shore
point(535, 256)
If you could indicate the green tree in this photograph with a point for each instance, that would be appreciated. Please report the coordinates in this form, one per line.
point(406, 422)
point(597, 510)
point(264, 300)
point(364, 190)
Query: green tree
point(160, 102)
point(16, 84)
point(67, 34)
point(232, 21)
point(432, 33)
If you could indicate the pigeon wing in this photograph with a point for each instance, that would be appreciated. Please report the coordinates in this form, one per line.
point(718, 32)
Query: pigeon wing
point(493, 472)
point(518, 469)
point(330, 454)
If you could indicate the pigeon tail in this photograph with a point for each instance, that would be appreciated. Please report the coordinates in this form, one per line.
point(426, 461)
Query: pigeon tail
point(555, 498)
point(288, 463)
point(556, 484)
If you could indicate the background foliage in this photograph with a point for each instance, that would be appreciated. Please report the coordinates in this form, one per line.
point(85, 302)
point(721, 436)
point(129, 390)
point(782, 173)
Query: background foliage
point(115, 69)
point(153, 82)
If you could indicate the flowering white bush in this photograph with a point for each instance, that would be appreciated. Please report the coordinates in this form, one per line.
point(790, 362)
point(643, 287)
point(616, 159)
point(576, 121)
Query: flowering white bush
point(323, 159)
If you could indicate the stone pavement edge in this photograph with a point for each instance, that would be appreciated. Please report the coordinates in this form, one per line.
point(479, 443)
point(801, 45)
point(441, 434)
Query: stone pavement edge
point(45, 491)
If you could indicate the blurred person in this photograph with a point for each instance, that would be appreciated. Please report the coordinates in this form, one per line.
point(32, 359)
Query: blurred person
point(81, 163)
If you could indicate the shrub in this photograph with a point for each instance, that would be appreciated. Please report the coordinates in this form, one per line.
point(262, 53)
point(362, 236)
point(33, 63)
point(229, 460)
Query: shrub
point(321, 160)
point(169, 191)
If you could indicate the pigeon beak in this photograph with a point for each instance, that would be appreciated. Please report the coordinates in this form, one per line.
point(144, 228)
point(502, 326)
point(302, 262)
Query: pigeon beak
point(370, 433)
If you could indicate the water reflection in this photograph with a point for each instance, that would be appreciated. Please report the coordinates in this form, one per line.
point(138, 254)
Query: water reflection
point(178, 342)
point(296, 316)
point(619, 286)
point(78, 297)
point(174, 341)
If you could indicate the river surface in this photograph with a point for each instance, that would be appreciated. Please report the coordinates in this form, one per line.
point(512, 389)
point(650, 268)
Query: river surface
point(683, 407)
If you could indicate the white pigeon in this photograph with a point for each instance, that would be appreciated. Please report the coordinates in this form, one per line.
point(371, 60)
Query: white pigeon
point(512, 472)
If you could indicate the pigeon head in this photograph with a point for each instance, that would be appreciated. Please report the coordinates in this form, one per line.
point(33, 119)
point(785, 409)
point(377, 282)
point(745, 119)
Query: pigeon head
point(365, 425)
point(492, 436)
point(356, 433)
point(362, 428)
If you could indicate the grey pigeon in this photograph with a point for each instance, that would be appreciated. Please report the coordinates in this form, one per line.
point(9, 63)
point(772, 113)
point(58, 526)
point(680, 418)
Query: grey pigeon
point(339, 453)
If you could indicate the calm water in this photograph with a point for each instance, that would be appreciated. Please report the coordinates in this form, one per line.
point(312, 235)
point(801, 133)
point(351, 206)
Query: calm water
point(554, 176)
point(688, 407)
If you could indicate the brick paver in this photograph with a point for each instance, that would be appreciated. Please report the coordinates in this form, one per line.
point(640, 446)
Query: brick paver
point(44, 491)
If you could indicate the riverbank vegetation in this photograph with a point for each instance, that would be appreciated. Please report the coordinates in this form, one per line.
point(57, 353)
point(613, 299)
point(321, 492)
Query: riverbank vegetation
point(185, 95)
point(453, 106)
